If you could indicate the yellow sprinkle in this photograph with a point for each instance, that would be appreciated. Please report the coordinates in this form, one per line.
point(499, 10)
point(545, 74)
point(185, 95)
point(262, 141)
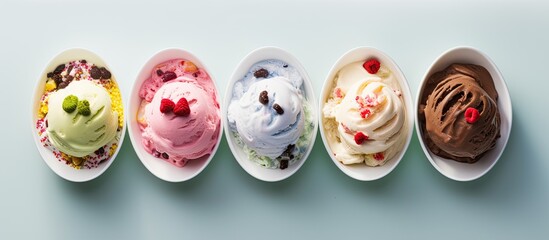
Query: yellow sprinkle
point(50, 85)
point(74, 162)
point(77, 161)
point(43, 110)
point(112, 149)
point(116, 100)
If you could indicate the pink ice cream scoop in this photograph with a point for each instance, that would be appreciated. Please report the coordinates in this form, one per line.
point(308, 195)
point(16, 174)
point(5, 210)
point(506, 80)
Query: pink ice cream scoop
point(168, 133)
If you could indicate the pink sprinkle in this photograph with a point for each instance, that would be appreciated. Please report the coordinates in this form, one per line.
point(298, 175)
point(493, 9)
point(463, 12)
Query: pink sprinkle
point(370, 101)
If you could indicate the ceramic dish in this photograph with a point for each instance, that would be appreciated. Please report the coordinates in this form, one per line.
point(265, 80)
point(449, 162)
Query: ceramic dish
point(360, 171)
point(164, 166)
point(268, 121)
point(464, 171)
point(101, 76)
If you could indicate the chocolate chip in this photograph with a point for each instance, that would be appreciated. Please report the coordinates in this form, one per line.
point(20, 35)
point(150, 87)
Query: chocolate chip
point(100, 151)
point(83, 61)
point(165, 155)
point(159, 73)
point(105, 74)
point(49, 75)
point(95, 73)
point(69, 78)
point(278, 109)
point(283, 164)
point(290, 148)
point(62, 85)
point(69, 69)
point(286, 156)
point(264, 97)
point(168, 76)
point(195, 74)
point(285, 66)
point(261, 73)
point(59, 69)
point(57, 78)
point(156, 154)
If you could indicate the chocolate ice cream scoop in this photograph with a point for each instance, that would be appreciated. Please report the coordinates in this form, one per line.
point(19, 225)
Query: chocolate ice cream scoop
point(448, 112)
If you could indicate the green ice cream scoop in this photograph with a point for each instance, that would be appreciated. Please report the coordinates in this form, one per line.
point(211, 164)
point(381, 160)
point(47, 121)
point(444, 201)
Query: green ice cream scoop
point(80, 118)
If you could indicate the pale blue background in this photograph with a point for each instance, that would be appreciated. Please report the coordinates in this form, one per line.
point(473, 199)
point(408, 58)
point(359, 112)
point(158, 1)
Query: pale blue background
point(319, 201)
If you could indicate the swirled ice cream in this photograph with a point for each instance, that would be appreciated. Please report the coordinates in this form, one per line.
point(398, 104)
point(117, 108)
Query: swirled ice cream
point(179, 114)
point(364, 116)
point(458, 113)
point(269, 114)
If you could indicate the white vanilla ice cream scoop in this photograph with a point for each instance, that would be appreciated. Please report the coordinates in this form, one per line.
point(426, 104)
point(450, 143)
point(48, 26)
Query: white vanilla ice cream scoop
point(370, 115)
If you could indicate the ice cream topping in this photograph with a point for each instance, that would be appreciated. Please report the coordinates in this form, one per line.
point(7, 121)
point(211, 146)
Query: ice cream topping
point(69, 103)
point(458, 112)
point(471, 115)
point(264, 97)
point(179, 114)
point(269, 114)
point(365, 115)
point(372, 66)
point(182, 108)
point(83, 108)
point(166, 105)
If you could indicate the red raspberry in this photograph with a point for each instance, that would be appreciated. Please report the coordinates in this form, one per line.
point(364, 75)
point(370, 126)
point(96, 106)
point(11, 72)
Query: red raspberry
point(379, 156)
point(166, 105)
point(360, 137)
point(371, 66)
point(182, 108)
point(471, 115)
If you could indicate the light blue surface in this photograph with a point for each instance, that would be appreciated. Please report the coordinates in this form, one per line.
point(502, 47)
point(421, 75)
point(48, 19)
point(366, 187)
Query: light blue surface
point(319, 201)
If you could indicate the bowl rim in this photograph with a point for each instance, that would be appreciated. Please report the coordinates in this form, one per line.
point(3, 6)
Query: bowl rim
point(38, 91)
point(508, 113)
point(136, 86)
point(266, 51)
point(407, 99)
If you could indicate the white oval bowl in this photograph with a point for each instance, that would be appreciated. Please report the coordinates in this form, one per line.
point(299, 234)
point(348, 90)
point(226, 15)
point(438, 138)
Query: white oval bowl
point(363, 172)
point(61, 169)
point(465, 171)
point(252, 168)
point(158, 167)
